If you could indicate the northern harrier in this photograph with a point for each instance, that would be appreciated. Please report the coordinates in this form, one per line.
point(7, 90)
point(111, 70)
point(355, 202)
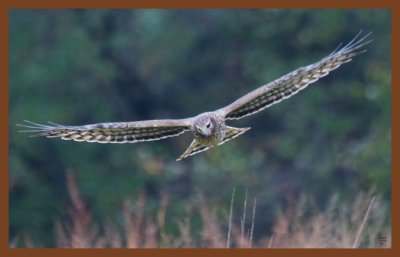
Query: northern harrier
point(209, 128)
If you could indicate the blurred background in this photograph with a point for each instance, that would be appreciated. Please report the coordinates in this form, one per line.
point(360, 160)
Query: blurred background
point(303, 176)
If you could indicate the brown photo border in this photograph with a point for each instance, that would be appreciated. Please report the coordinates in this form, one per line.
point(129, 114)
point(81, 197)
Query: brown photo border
point(7, 5)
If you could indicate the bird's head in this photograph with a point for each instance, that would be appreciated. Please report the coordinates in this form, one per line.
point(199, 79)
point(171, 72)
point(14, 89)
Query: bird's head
point(204, 126)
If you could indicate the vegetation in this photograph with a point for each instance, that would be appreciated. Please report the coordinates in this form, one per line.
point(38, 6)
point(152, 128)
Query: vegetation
point(312, 162)
point(337, 226)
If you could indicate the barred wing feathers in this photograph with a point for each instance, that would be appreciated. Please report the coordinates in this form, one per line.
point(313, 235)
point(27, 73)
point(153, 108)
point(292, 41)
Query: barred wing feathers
point(293, 82)
point(116, 132)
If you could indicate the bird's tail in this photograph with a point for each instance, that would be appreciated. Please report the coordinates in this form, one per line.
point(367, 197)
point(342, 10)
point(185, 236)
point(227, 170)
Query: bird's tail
point(232, 132)
point(196, 147)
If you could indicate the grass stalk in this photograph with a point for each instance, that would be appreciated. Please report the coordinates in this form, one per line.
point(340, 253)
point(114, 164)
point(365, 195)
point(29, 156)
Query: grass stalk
point(252, 222)
point(356, 241)
point(228, 241)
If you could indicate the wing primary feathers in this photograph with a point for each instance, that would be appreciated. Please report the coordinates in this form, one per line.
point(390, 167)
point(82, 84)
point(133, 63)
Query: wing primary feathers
point(295, 81)
point(336, 49)
point(118, 132)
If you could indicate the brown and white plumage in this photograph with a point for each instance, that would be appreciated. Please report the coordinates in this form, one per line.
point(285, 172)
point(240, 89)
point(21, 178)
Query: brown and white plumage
point(209, 129)
point(291, 83)
point(113, 132)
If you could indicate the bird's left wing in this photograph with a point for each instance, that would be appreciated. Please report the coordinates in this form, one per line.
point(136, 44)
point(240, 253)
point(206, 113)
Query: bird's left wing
point(293, 82)
point(115, 132)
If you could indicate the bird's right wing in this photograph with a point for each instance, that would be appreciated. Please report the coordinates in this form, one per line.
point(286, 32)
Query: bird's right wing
point(293, 82)
point(115, 132)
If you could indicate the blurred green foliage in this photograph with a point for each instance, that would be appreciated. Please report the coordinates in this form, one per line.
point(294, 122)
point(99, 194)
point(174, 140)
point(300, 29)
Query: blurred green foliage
point(86, 66)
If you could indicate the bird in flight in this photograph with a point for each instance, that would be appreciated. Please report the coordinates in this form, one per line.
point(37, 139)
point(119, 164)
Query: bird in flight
point(209, 128)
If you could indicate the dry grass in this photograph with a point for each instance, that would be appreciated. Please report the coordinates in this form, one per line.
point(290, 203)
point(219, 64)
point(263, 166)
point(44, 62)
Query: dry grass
point(341, 225)
point(335, 227)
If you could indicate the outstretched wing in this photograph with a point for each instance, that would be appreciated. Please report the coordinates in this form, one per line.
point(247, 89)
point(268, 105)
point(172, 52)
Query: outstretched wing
point(116, 132)
point(291, 83)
